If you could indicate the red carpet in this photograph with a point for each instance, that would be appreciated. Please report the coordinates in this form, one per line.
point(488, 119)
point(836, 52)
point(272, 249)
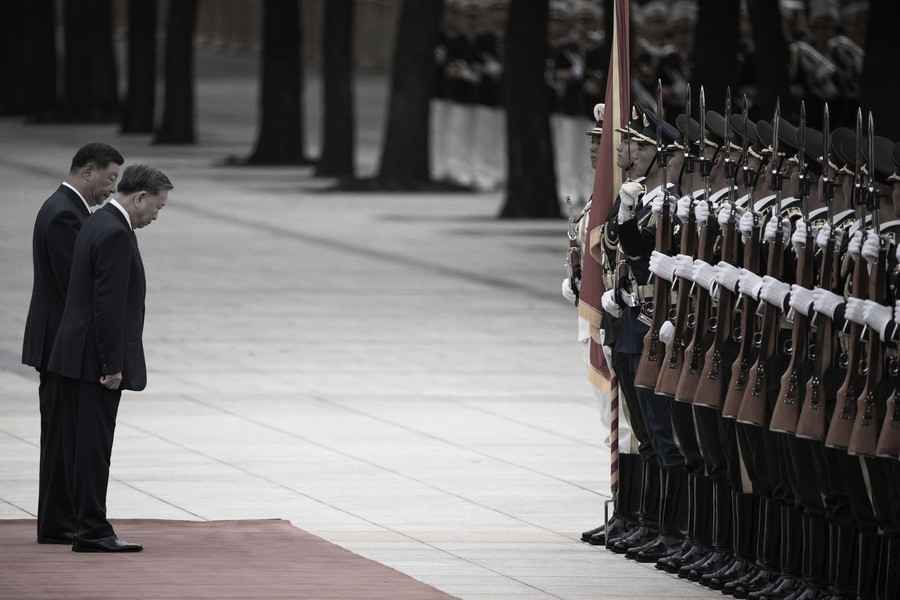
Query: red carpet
point(184, 560)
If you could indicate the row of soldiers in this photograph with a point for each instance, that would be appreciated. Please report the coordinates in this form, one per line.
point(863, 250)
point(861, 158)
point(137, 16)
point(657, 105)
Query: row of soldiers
point(751, 320)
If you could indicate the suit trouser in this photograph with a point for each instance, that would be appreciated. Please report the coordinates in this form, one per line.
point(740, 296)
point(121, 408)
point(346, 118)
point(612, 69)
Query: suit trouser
point(94, 423)
point(56, 513)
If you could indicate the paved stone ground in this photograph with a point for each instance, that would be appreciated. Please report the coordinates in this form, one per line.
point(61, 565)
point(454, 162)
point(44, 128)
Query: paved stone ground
point(394, 373)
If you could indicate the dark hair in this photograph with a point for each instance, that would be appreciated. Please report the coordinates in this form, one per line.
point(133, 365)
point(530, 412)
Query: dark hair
point(96, 153)
point(143, 178)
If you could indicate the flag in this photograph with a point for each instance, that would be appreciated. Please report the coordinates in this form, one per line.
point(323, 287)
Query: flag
point(607, 179)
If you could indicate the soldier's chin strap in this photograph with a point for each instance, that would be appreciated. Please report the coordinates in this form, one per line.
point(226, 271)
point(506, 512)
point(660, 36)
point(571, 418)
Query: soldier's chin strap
point(650, 166)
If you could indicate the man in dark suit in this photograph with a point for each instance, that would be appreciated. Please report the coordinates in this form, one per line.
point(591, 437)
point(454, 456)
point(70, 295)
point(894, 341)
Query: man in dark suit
point(98, 350)
point(92, 177)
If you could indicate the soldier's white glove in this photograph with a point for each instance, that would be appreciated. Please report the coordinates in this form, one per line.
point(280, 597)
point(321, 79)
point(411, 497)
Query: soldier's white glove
point(662, 265)
point(774, 291)
point(855, 310)
point(656, 205)
point(701, 211)
point(855, 244)
point(871, 247)
point(728, 275)
point(772, 229)
point(567, 292)
point(825, 302)
point(879, 318)
point(608, 303)
point(746, 224)
point(798, 239)
point(724, 213)
point(801, 299)
point(897, 311)
point(629, 195)
point(704, 274)
point(823, 236)
point(683, 212)
point(898, 253)
point(684, 267)
point(667, 333)
point(750, 284)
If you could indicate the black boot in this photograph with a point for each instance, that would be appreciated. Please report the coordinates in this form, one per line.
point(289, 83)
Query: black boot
point(815, 546)
point(791, 557)
point(767, 551)
point(841, 562)
point(673, 506)
point(722, 556)
point(648, 517)
point(623, 517)
point(703, 527)
point(867, 552)
point(673, 561)
point(745, 510)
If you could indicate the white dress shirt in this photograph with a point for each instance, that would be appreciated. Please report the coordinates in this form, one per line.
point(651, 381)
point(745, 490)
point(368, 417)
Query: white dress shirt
point(115, 203)
point(71, 187)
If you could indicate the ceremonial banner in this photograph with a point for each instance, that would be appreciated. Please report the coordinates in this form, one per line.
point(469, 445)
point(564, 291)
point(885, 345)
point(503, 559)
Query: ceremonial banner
point(607, 177)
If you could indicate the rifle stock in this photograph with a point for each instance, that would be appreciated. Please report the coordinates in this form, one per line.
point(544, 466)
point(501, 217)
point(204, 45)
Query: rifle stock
point(844, 415)
point(740, 370)
point(756, 404)
point(790, 396)
point(870, 404)
point(813, 418)
point(710, 389)
point(889, 439)
point(694, 353)
point(667, 382)
point(653, 349)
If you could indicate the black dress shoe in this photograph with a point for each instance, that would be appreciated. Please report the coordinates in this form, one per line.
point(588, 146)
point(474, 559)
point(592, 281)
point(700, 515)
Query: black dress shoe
point(650, 553)
point(761, 580)
point(587, 535)
point(738, 587)
point(107, 544)
point(607, 539)
point(638, 537)
point(62, 538)
point(670, 562)
point(776, 590)
point(685, 569)
point(736, 570)
point(806, 592)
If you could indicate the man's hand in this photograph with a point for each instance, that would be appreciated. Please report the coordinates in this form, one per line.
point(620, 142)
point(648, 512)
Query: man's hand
point(656, 205)
point(855, 244)
point(774, 291)
point(801, 299)
point(683, 212)
point(701, 211)
point(728, 275)
point(750, 283)
point(608, 303)
point(111, 382)
point(704, 274)
point(772, 229)
point(745, 225)
point(684, 267)
point(799, 238)
point(879, 318)
point(725, 213)
point(871, 247)
point(629, 194)
point(567, 292)
point(662, 265)
point(826, 302)
point(855, 310)
point(823, 236)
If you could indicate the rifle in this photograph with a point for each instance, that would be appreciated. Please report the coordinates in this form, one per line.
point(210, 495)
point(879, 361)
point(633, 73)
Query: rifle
point(812, 421)
point(756, 404)
point(654, 349)
point(790, 396)
point(667, 382)
point(870, 404)
point(889, 439)
point(710, 389)
point(740, 370)
point(696, 350)
point(844, 416)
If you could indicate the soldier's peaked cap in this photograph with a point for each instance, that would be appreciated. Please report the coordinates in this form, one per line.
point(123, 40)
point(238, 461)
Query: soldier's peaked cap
point(884, 156)
point(843, 146)
point(736, 122)
point(688, 127)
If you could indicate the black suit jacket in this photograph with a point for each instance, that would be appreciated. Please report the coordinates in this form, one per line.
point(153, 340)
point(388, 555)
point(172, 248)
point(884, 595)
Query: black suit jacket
point(103, 322)
point(57, 225)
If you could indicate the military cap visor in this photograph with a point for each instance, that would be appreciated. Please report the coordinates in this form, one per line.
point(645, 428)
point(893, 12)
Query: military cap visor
point(736, 122)
point(843, 146)
point(884, 157)
point(645, 130)
point(715, 124)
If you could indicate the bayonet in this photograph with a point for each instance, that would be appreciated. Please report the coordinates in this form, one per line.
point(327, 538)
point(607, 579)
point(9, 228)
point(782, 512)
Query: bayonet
point(827, 182)
point(804, 182)
point(776, 169)
point(871, 194)
point(705, 165)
